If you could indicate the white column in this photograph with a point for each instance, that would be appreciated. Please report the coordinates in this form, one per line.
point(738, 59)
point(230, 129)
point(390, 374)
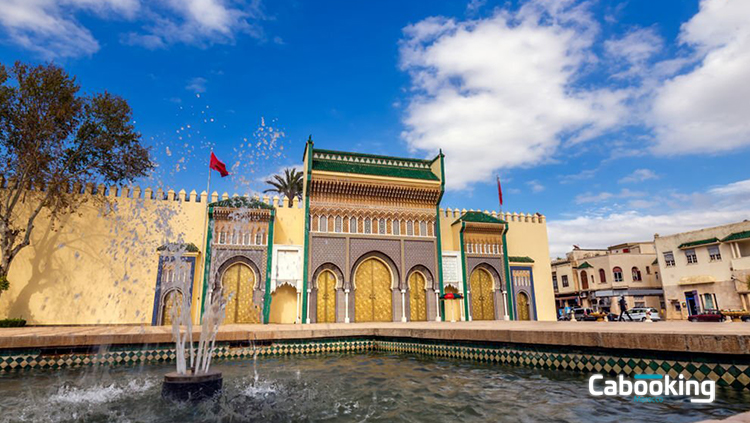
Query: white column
point(437, 306)
point(307, 318)
point(346, 306)
point(403, 305)
point(299, 308)
point(467, 299)
point(505, 307)
point(462, 308)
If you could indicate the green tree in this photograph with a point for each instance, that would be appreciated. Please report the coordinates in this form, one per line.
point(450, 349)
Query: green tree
point(53, 140)
point(290, 184)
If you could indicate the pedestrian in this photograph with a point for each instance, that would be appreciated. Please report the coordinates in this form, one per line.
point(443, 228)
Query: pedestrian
point(624, 308)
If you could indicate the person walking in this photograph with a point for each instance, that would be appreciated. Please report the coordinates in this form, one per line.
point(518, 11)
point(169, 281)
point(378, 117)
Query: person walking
point(624, 308)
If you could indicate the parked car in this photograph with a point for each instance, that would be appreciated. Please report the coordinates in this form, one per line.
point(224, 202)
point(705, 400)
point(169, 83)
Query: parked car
point(707, 316)
point(582, 314)
point(639, 314)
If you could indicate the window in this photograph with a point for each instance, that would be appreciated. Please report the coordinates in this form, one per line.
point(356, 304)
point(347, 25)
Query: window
point(396, 227)
point(381, 226)
point(368, 225)
point(669, 259)
point(565, 281)
point(656, 275)
point(259, 238)
point(337, 227)
point(648, 270)
point(636, 274)
point(323, 225)
point(618, 274)
point(640, 304)
point(602, 276)
point(353, 225)
point(708, 301)
point(691, 257)
point(423, 228)
point(713, 253)
point(410, 228)
point(554, 281)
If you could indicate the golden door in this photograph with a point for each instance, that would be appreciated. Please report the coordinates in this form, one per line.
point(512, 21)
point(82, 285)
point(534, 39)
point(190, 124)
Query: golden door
point(239, 281)
point(452, 307)
point(171, 300)
point(326, 298)
point(372, 294)
point(482, 301)
point(417, 298)
point(523, 306)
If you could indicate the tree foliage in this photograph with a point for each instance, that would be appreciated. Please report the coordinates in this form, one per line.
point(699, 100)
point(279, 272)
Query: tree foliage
point(290, 184)
point(54, 140)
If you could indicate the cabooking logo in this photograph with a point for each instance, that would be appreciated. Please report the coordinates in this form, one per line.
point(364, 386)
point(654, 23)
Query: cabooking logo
point(653, 388)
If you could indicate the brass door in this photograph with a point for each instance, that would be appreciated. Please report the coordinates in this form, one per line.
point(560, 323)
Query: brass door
point(417, 298)
point(522, 300)
point(482, 300)
point(172, 301)
point(326, 297)
point(372, 293)
point(239, 281)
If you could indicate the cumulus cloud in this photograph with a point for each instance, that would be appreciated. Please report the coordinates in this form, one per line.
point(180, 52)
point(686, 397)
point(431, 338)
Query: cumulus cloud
point(499, 92)
point(719, 205)
point(51, 27)
point(705, 110)
point(197, 85)
point(639, 175)
point(606, 196)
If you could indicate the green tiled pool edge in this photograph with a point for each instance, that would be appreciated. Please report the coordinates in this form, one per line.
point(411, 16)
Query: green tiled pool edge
point(731, 371)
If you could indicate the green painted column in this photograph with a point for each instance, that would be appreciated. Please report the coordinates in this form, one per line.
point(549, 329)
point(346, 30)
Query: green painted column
point(305, 263)
point(269, 266)
point(207, 265)
point(463, 273)
point(508, 285)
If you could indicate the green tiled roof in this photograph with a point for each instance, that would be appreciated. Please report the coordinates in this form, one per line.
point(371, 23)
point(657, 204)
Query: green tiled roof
point(737, 235)
point(242, 202)
point(175, 247)
point(371, 164)
point(520, 259)
point(585, 265)
point(699, 242)
point(479, 217)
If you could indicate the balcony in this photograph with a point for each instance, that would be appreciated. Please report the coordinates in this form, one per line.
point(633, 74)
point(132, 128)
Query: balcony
point(740, 264)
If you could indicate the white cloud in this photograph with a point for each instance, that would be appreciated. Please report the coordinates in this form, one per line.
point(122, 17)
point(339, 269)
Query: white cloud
point(705, 110)
point(535, 186)
point(197, 85)
point(498, 92)
point(717, 206)
point(51, 28)
point(604, 196)
point(639, 175)
point(633, 50)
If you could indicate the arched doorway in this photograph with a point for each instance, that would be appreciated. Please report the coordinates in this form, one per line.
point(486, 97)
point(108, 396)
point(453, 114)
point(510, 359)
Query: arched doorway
point(417, 298)
point(283, 305)
point(372, 292)
point(452, 307)
point(584, 280)
point(522, 300)
point(326, 297)
point(482, 299)
point(239, 281)
point(172, 304)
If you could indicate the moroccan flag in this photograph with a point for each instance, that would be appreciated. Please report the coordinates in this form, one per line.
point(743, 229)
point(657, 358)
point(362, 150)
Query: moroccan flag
point(499, 191)
point(218, 166)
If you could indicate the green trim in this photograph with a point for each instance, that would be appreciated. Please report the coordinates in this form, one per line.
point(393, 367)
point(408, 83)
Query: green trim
point(463, 272)
point(306, 264)
point(207, 265)
point(440, 236)
point(585, 265)
point(737, 236)
point(508, 285)
point(372, 156)
point(521, 259)
point(479, 217)
point(269, 263)
point(374, 169)
point(699, 242)
point(177, 247)
point(242, 202)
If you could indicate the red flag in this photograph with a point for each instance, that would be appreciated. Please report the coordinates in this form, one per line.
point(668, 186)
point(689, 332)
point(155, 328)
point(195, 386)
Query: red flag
point(499, 191)
point(218, 166)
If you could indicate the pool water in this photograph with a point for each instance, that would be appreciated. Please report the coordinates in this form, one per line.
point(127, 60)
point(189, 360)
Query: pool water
point(367, 387)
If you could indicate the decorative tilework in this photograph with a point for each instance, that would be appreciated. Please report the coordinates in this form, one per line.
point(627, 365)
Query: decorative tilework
point(730, 372)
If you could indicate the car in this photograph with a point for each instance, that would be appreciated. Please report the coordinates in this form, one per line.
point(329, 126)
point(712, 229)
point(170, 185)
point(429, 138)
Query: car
point(639, 314)
point(708, 315)
point(582, 314)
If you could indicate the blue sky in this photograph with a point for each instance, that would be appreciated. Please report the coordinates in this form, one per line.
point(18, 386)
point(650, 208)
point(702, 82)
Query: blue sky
point(615, 119)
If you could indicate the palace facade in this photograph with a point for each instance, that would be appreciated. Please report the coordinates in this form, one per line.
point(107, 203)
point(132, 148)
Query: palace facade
point(368, 242)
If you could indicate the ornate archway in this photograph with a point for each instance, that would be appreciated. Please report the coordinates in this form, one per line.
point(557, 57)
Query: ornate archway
point(482, 295)
point(372, 292)
point(417, 297)
point(522, 301)
point(172, 301)
point(326, 301)
point(238, 282)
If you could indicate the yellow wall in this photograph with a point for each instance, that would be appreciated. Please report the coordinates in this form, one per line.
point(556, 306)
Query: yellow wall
point(289, 225)
point(283, 305)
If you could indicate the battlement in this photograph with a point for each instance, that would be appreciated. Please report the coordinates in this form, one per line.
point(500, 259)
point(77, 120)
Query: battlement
point(506, 216)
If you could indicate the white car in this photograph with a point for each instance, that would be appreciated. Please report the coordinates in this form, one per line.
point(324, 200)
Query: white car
point(639, 314)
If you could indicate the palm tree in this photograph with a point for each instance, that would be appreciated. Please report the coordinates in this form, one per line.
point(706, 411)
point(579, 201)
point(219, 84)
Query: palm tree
point(290, 185)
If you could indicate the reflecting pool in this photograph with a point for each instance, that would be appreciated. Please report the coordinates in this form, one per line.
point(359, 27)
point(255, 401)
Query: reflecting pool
point(365, 387)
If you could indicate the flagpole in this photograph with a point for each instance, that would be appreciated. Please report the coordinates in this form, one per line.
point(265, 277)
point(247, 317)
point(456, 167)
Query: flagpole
point(205, 223)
